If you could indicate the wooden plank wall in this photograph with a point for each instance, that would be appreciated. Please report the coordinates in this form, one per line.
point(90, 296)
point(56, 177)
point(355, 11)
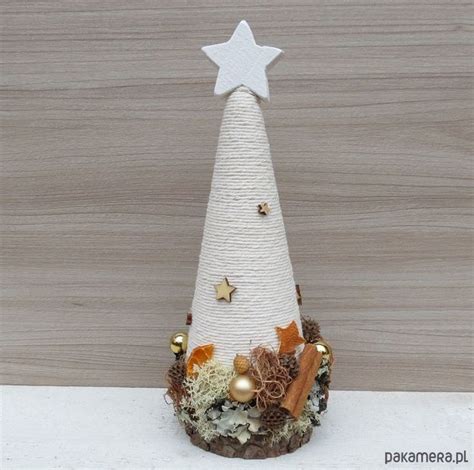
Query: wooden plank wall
point(109, 135)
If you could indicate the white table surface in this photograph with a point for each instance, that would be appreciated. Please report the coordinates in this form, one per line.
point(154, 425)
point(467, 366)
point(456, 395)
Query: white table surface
point(108, 428)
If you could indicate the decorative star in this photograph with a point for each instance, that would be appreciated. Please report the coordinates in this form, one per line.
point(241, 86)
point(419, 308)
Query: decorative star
point(224, 290)
point(242, 62)
point(289, 338)
point(264, 208)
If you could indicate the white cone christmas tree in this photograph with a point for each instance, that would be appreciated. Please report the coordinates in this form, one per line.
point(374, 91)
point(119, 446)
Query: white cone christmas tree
point(243, 389)
point(246, 247)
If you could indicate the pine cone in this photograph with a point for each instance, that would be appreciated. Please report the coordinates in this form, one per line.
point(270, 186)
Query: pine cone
point(311, 331)
point(177, 372)
point(274, 417)
point(290, 363)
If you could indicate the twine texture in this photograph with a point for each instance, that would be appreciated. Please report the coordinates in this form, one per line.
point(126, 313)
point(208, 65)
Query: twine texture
point(248, 248)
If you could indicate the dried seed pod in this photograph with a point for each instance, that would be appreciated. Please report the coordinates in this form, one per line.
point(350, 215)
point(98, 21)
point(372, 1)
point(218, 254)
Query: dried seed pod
point(311, 331)
point(241, 364)
point(274, 417)
point(175, 377)
point(177, 372)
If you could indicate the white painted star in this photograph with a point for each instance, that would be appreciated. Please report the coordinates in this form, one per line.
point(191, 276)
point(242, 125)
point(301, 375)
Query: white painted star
point(242, 62)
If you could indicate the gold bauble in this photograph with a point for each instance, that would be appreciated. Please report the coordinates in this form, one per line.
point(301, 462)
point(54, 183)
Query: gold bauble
point(179, 343)
point(325, 349)
point(241, 364)
point(242, 388)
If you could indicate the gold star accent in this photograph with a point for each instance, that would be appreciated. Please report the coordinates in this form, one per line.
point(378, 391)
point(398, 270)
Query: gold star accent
point(224, 290)
point(289, 338)
point(264, 208)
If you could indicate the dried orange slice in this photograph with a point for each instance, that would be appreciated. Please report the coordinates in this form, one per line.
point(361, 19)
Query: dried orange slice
point(199, 356)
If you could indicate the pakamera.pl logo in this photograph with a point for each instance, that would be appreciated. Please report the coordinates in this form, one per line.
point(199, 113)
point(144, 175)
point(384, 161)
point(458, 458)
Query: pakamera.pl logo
point(426, 457)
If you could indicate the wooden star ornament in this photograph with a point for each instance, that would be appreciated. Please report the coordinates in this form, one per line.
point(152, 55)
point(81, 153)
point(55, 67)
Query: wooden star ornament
point(289, 338)
point(224, 290)
point(263, 208)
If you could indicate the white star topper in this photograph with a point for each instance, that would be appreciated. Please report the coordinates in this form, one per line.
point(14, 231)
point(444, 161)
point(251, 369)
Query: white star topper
point(242, 62)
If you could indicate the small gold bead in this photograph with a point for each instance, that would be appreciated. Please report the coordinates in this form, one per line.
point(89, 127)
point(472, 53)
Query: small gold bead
point(325, 349)
point(179, 343)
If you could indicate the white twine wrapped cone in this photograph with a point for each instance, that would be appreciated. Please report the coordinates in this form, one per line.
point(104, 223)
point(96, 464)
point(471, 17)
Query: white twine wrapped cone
point(248, 248)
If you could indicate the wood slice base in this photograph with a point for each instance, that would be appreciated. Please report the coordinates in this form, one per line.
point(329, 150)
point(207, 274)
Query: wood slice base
point(254, 448)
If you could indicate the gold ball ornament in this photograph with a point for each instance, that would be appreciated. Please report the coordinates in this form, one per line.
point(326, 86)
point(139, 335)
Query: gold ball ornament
point(242, 388)
point(241, 364)
point(179, 343)
point(325, 349)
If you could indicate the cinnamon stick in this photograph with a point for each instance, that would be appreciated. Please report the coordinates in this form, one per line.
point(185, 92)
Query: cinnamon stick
point(298, 391)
